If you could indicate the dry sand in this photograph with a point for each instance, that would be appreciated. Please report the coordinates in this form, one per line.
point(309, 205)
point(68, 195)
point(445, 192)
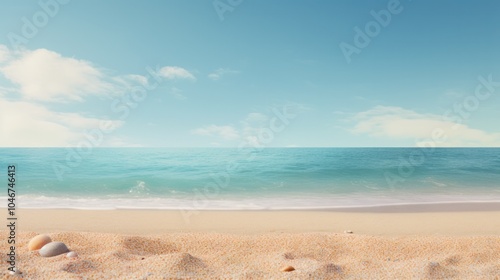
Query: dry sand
point(133, 244)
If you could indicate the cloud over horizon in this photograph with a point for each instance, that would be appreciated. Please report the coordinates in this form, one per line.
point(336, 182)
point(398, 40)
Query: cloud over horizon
point(399, 123)
point(175, 72)
point(44, 75)
point(38, 126)
point(41, 79)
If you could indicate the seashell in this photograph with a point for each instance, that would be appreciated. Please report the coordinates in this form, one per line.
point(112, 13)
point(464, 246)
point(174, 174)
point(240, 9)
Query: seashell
point(72, 255)
point(348, 231)
point(53, 249)
point(288, 268)
point(38, 242)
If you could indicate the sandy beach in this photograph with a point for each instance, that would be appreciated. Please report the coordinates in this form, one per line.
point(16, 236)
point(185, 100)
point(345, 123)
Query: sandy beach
point(419, 242)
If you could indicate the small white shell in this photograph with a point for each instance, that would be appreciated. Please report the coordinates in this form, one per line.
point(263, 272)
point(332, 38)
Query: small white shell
point(72, 254)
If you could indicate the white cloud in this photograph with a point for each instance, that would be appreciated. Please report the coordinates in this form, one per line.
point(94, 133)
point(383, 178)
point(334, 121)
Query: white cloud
point(4, 53)
point(219, 73)
point(23, 124)
point(4, 91)
point(174, 72)
point(41, 75)
point(44, 75)
point(399, 123)
point(138, 79)
point(226, 132)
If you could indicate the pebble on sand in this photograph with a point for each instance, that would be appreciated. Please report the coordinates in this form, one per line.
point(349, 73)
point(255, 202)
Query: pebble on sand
point(72, 255)
point(348, 231)
point(288, 268)
point(38, 242)
point(53, 249)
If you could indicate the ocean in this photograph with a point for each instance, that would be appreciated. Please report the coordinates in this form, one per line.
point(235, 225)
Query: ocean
point(232, 178)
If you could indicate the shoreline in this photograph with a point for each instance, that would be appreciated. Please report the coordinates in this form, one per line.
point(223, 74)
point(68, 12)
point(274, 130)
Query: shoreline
point(374, 222)
point(479, 206)
point(284, 201)
point(417, 207)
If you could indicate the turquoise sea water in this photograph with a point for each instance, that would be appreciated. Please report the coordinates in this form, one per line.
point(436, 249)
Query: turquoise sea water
point(269, 178)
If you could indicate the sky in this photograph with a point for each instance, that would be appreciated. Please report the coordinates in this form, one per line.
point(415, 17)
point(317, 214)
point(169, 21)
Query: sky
point(240, 73)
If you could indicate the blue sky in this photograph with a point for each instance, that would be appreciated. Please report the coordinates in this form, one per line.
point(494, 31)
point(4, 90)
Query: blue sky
point(249, 73)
